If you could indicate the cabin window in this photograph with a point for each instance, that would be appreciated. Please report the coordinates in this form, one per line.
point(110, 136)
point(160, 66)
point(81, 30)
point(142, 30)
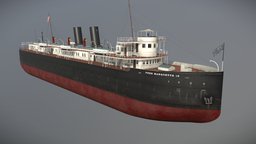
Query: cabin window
point(149, 45)
point(154, 45)
point(143, 45)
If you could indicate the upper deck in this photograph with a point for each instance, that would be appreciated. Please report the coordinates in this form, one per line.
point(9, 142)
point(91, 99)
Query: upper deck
point(146, 52)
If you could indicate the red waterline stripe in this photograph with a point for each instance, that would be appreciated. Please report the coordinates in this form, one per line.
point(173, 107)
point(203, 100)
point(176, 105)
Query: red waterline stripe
point(125, 104)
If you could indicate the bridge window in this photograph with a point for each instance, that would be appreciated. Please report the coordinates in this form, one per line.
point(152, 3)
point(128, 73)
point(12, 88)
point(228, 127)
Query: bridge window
point(143, 45)
point(149, 45)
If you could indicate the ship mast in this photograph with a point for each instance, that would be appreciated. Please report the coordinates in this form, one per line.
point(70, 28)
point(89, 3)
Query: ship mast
point(130, 14)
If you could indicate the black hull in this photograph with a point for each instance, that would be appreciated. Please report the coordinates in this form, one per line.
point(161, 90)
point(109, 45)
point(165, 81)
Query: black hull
point(186, 90)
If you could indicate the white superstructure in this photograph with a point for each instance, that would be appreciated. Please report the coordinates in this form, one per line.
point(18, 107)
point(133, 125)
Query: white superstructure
point(146, 51)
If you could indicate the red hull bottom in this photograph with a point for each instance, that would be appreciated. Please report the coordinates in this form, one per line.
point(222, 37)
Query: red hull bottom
point(125, 104)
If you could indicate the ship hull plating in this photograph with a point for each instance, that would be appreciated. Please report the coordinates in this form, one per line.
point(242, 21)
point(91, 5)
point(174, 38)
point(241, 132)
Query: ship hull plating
point(165, 96)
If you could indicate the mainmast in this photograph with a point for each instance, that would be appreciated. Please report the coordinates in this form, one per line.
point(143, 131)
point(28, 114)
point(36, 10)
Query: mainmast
point(130, 14)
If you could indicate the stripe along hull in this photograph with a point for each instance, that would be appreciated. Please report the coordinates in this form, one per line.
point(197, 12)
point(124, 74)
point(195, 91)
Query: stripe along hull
point(186, 97)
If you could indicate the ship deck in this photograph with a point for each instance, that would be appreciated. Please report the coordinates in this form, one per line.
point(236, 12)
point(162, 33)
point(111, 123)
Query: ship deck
point(177, 67)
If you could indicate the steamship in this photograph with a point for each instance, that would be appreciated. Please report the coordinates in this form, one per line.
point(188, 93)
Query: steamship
point(133, 77)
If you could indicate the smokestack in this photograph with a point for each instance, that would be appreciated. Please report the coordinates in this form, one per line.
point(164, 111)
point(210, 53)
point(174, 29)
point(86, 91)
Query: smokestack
point(95, 37)
point(78, 36)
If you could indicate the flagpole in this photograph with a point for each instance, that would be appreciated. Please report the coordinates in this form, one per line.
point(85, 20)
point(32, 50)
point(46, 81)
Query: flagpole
point(217, 51)
point(222, 63)
point(50, 24)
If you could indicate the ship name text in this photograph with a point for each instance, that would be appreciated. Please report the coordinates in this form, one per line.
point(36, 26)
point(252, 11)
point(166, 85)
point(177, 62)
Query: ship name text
point(162, 74)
